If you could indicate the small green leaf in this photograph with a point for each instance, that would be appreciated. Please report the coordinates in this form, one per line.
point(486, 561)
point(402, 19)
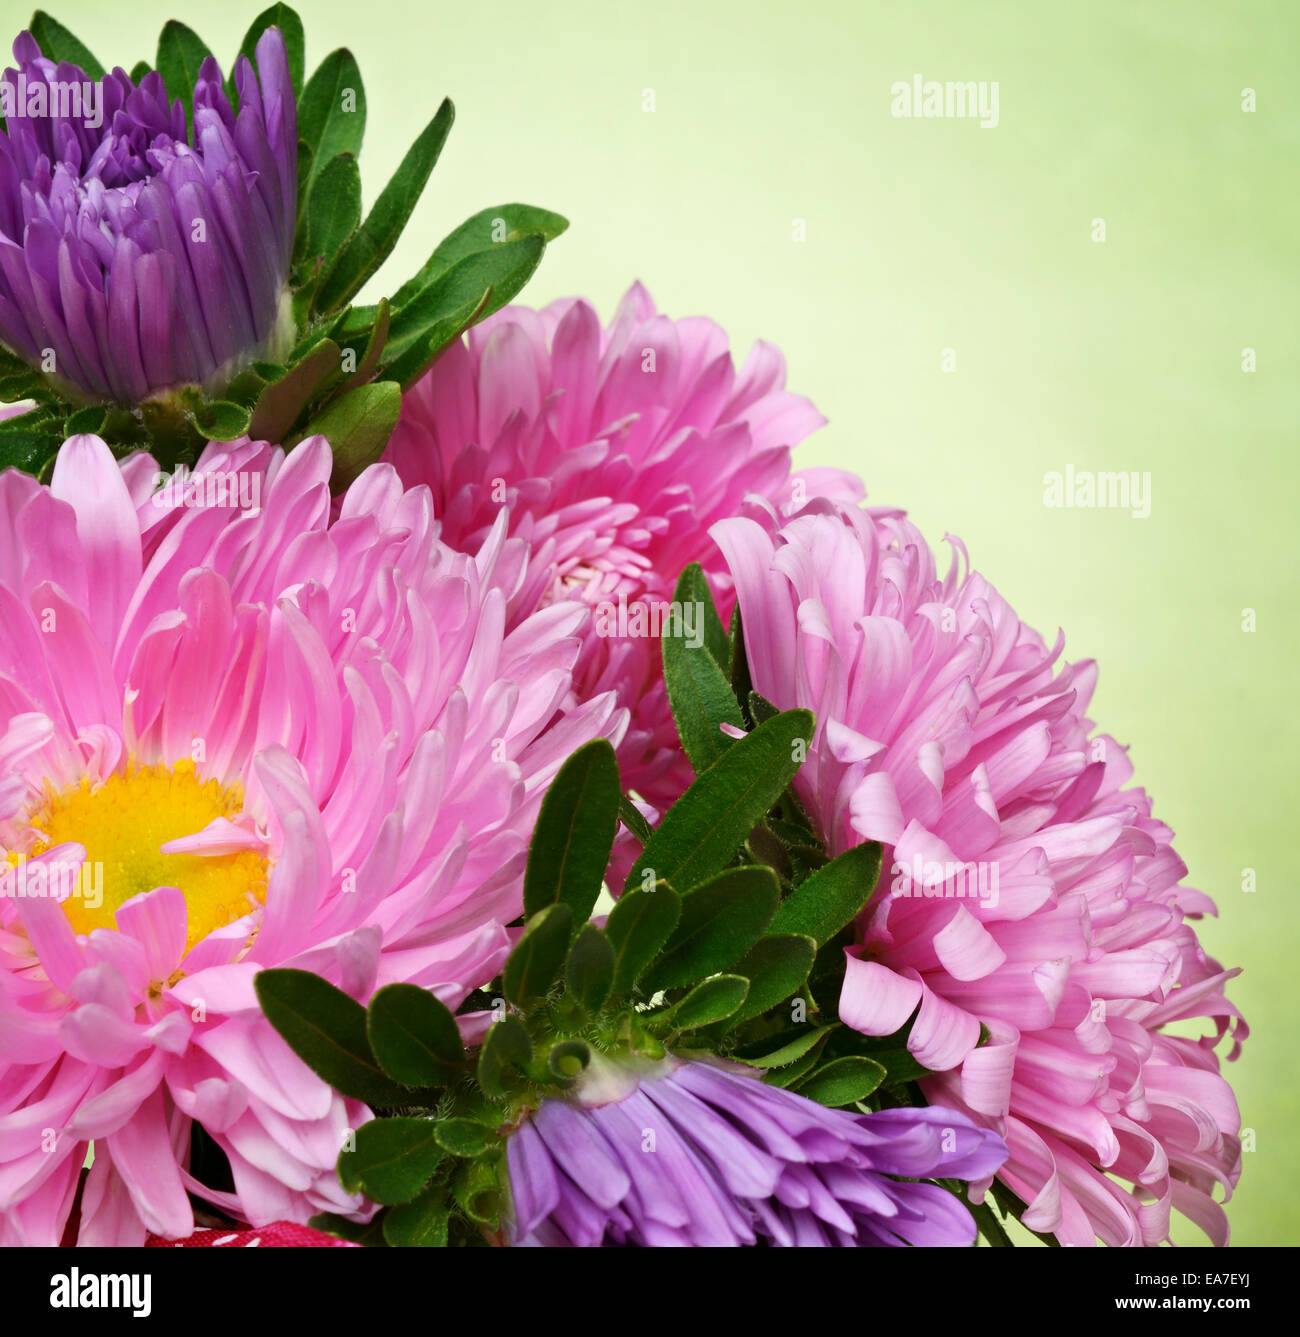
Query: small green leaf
point(331, 113)
point(435, 339)
point(719, 923)
point(181, 51)
point(139, 70)
point(281, 404)
point(220, 420)
point(290, 26)
point(538, 957)
point(88, 420)
point(378, 234)
point(392, 1159)
point(589, 973)
point(828, 899)
point(776, 968)
point(701, 832)
point(497, 226)
point(465, 1137)
point(713, 1000)
point(632, 819)
point(637, 927)
point(504, 1058)
point(357, 425)
point(789, 1048)
point(844, 1081)
point(333, 209)
point(698, 690)
point(420, 1223)
point(414, 1036)
point(60, 45)
point(574, 833)
point(327, 1030)
point(374, 347)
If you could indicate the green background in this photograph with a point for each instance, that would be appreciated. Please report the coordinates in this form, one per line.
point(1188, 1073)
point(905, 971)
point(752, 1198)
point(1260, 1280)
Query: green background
point(925, 235)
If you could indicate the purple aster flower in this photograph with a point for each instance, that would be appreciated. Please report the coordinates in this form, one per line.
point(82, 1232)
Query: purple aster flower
point(140, 259)
point(693, 1152)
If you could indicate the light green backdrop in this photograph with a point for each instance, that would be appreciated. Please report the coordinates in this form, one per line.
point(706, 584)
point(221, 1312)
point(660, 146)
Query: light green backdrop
point(926, 235)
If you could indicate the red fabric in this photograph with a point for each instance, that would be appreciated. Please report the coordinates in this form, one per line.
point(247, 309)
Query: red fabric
point(278, 1235)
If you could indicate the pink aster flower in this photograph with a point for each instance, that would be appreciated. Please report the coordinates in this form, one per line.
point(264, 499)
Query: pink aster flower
point(612, 451)
point(1026, 885)
point(233, 738)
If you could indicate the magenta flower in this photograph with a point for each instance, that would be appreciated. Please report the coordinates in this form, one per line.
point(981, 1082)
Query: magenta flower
point(142, 261)
point(612, 451)
point(292, 734)
point(1025, 886)
point(703, 1153)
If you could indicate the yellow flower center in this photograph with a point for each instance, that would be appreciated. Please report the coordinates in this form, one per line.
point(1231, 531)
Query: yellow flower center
point(123, 823)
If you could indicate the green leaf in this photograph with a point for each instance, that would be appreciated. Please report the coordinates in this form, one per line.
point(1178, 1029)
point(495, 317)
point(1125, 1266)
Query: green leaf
point(220, 420)
point(435, 339)
point(384, 223)
point(419, 1224)
point(139, 70)
point(504, 1058)
point(327, 1030)
point(280, 405)
point(180, 53)
point(701, 832)
point(574, 834)
point(374, 347)
point(719, 923)
point(497, 226)
point(357, 425)
point(776, 968)
point(637, 927)
point(791, 1046)
point(989, 1225)
point(414, 1037)
point(694, 586)
point(60, 45)
point(88, 420)
point(844, 1081)
point(633, 820)
point(831, 897)
point(713, 1000)
point(392, 1159)
point(465, 1137)
point(698, 690)
point(481, 283)
point(589, 973)
point(331, 113)
point(789, 1076)
point(295, 45)
point(333, 209)
point(538, 957)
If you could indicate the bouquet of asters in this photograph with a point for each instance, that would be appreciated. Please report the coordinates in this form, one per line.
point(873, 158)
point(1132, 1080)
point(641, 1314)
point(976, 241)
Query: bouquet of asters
point(460, 785)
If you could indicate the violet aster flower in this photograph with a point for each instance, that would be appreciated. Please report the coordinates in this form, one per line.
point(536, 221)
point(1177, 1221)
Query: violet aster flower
point(142, 260)
point(692, 1152)
point(1031, 889)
